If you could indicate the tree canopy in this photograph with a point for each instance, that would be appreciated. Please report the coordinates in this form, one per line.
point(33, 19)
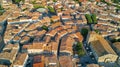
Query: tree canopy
point(17, 1)
point(88, 17)
point(84, 32)
point(79, 49)
point(94, 19)
point(115, 1)
point(38, 6)
point(45, 27)
point(91, 19)
point(97, 31)
point(1, 10)
point(54, 0)
point(51, 9)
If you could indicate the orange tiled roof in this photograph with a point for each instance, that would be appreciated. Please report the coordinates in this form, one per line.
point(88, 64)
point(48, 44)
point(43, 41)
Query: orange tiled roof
point(38, 64)
point(52, 33)
point(55, 18)
point(56, 24)
point(65, 61)
point(79, 36)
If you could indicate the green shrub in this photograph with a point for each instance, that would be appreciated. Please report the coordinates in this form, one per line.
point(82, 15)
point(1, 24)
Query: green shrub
point(79, 49)
point(51, 9)
point(38, 6)
point(44, 27)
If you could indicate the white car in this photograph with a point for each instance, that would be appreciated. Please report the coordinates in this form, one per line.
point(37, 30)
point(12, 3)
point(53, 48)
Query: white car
point(91, 53)
point(87, 48)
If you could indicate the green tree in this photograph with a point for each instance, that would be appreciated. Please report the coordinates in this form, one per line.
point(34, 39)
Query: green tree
point(113, 40)
point(84, 32)
point(1, 10)
point(102, 0)
point(79, 49)
point(54, 0)
point(51, 9)
point(18, 1)
point(89, 19)
point(118, 40)
point(45, 27)
point(33, 2)
point(115, 1)
point(38, 6)
point(94, 19)
point(97, 31)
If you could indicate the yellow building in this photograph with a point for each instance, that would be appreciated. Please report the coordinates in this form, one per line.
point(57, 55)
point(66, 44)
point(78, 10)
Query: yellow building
point(101, 49)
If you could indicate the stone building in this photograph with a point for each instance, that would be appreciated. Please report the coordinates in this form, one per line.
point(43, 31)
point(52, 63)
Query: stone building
point(101, 49)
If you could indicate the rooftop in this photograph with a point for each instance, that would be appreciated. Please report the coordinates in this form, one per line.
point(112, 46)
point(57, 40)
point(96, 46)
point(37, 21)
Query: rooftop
point(54, 45)
point(65, 61)
point(38, 61)
point(4, 16)
point(3, 66)
point(93, 65)
point(55, 18)
point(117, 45)
point(35, 45)
point(79, 36)
point(98, 47)
point(97, 41)
point(39, 33)
point(51, 61)
point(52, 33)
point(20, 59)
point(66, 44)
point(56, 24)
point(41, 9)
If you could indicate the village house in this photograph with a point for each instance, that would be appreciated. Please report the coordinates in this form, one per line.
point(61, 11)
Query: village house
point(21, 60)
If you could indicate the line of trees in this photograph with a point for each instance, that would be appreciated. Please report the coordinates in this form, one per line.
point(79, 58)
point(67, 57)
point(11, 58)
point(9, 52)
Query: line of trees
point(91, 19)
